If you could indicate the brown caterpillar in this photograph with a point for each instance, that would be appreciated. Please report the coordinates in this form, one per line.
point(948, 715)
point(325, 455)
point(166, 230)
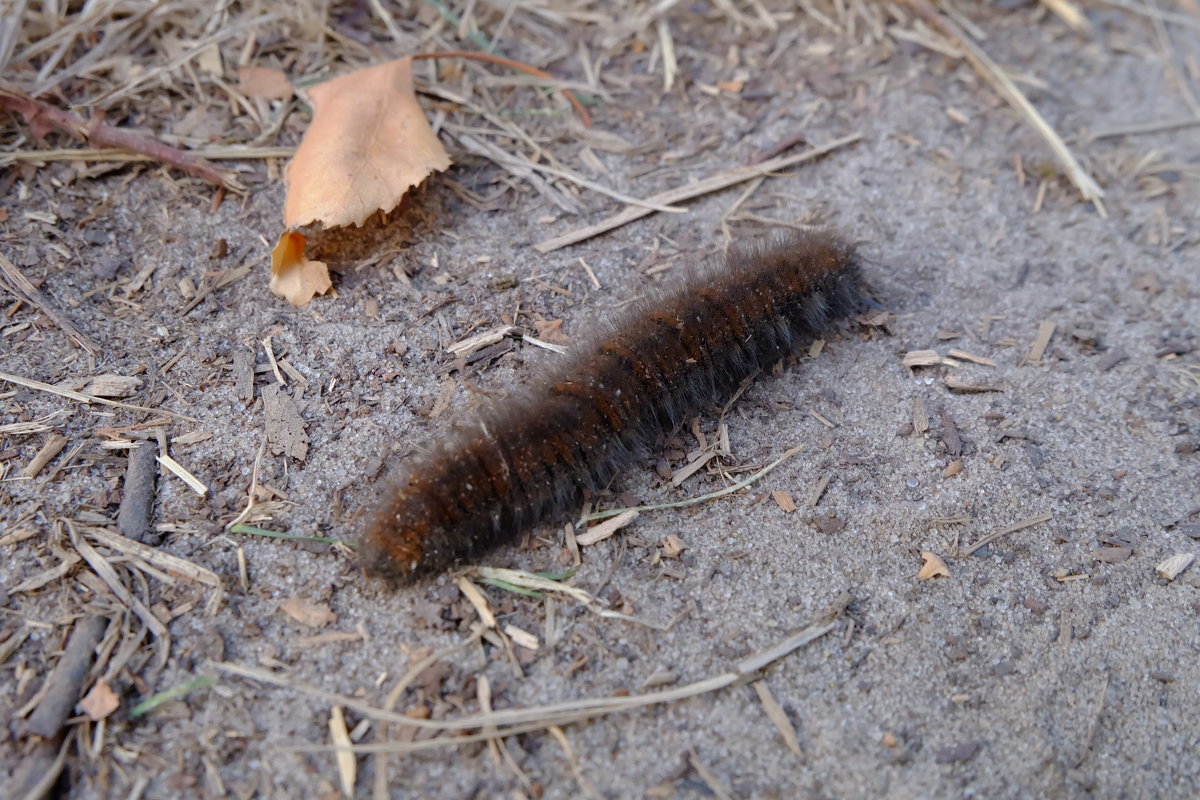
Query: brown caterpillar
point(532, 455)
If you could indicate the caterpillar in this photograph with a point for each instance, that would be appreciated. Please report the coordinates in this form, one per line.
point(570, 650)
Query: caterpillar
point(532, 455)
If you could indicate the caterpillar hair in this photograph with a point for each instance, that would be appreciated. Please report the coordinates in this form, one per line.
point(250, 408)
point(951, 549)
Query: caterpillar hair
point(532, 455)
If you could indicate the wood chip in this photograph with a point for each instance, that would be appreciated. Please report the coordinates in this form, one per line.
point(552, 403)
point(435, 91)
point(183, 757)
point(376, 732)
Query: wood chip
point(112, 386)
point(477, 599)
point(598, 533)
point(1040, 342)
point(957, 384)
point(673, 546)
point(521, 637)
point(346, 762)
point(191, 480)
point(1171, 567)
point(920, 416)
point(921, 358)
point(963, 355)
point(465, 347)
point(193, 437)
point(1112, 555)
point(692, 467)
point(784, 501)
point(44, 455)
point(243, 375)
point(950, 436)
point(818, 490)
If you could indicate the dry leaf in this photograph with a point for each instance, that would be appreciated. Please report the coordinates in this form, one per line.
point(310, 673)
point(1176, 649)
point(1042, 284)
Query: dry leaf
point(368, 144)
point(100, 701)
point(314, 615)
point(294, 277)
point(932, 567)
point(264, 82)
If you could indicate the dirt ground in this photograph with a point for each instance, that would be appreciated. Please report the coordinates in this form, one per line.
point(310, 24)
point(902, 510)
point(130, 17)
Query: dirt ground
point(1053, 661)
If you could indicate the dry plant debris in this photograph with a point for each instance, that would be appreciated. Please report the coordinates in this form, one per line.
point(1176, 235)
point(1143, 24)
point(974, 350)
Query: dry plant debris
point(932, 566)
point(369, 143)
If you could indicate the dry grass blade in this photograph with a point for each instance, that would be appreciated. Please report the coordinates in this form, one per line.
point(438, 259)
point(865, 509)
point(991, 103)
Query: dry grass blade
point(516, 720)
point(171, 564)
point(990, 71)
point(97, 154)
point(107, 574)
point(722, 180)
point(529, 581)
point(778, 717)
point(86, 398)
point(706, 775)
point(39, 425)
point(742, 484)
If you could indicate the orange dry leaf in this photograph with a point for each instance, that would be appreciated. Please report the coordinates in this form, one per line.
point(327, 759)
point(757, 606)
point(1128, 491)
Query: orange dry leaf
point(368, 144)
point(293, 276)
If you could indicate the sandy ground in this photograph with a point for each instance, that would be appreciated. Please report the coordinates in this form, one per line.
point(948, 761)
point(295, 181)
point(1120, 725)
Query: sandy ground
point(1032, 670)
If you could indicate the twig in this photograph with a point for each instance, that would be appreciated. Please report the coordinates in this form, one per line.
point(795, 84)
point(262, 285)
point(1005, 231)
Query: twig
point(65, 684)
point(991, 72)
point(137, 497)
point(722, 180)
point(1016, 526)
point(43, 117)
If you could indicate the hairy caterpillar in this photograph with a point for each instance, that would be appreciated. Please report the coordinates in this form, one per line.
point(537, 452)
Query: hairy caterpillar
point(532, 455)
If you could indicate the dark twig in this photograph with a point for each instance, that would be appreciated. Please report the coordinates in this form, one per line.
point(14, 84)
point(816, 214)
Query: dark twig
point(65, 684)
point(137, 501)
point(43, 117)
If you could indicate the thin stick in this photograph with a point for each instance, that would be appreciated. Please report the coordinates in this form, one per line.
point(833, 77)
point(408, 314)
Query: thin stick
point(700, 499)
point(1016, 526)
point(41, 117)
point(537, 717)
point(991, 72)
point(722, 180)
